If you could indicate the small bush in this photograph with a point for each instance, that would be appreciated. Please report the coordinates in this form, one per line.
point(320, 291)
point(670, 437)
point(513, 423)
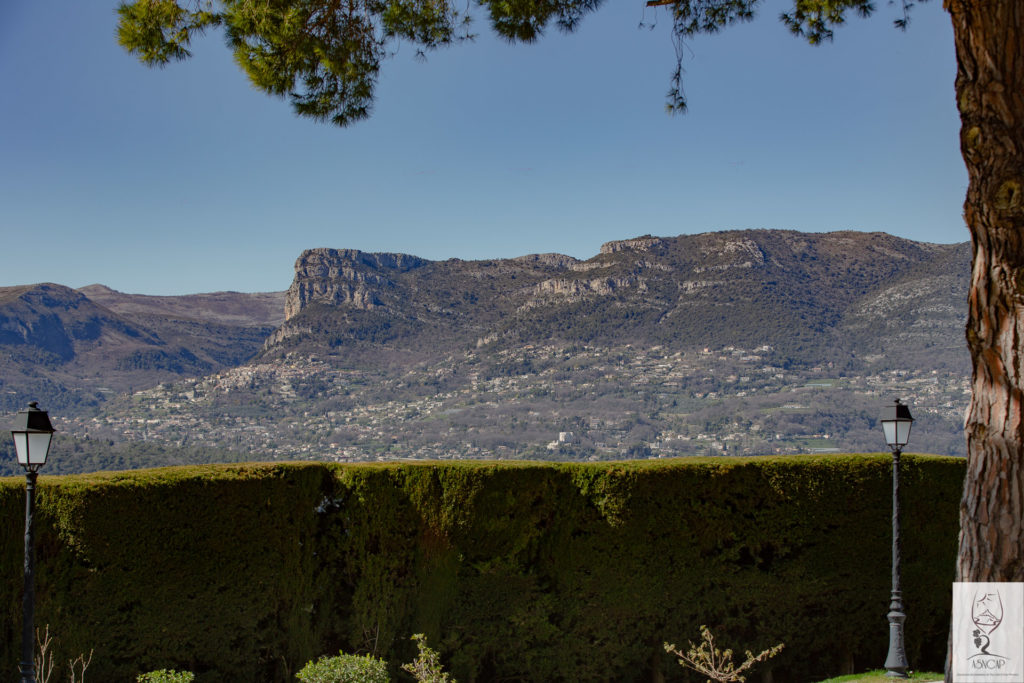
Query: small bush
point(717, 664)
point(427, 665)
point(345, 669)
point(166, 676)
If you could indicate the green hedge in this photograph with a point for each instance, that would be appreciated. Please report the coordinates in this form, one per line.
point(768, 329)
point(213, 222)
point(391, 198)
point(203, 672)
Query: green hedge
point(532, 572)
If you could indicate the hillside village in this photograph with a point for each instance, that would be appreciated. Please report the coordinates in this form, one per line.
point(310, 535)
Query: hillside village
point(539, 402)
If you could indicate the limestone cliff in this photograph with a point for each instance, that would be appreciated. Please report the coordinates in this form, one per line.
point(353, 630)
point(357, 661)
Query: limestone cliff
point(807, 295)
point(345, 277)
point(644, 243)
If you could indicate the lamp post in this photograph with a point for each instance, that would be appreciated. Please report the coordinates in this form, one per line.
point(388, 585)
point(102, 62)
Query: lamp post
point(32, 433)
point(896, 423)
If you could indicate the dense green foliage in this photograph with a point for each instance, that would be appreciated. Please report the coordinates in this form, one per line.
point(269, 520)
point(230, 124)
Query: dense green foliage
point(513, 571)
point(325, 56)
point(345, 668)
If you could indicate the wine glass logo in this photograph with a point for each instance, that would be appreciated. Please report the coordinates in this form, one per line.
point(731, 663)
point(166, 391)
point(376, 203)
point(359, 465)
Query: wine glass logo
point(987, 614)
point(987, 611)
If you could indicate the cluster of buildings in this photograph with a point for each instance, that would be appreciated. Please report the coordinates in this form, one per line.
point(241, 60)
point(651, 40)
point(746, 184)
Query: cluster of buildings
point(571, 402)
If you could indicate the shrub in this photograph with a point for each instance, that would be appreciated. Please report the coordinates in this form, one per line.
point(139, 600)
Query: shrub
point(166, 676)
point(427, 665)
point(717, 664)
point(345, 669)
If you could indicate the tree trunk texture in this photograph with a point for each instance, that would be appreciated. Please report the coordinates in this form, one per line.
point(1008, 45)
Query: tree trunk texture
point(989, 38)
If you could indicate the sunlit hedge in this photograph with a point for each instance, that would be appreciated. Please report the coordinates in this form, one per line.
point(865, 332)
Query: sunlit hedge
point(532, 572)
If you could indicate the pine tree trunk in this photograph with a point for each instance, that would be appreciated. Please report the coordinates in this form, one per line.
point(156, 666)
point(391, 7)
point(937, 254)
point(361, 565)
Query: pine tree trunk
point(990, 95)
point(989, 36)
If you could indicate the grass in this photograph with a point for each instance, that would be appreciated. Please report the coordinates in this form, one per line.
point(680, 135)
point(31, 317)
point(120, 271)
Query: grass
point(879, 676)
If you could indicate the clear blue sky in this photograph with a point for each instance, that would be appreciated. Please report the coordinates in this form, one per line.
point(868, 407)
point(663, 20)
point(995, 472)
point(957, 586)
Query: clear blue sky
point(187, 179)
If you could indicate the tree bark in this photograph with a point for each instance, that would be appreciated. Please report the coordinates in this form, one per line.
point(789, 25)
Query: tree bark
point(989, 38)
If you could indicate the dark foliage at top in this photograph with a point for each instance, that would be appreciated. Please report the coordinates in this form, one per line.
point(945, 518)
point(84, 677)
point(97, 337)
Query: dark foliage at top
point(326, 56)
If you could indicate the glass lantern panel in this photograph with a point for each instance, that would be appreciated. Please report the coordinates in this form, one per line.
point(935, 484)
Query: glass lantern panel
point(21, 446)
point(32, 447)
point(903, 432)
point(889, 427)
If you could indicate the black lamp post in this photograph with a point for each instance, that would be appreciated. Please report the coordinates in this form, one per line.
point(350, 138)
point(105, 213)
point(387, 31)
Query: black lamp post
point(32, 433)
point(896, 422)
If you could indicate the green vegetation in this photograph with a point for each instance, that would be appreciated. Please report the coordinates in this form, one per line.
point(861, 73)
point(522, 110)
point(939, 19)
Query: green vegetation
point(166, 676)
point(878, 676)
point(520, 571)
point(716, 664)
point(345, 669)
point(426, 668)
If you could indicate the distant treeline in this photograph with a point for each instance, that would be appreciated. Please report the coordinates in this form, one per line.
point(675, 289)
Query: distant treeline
point(70, 455)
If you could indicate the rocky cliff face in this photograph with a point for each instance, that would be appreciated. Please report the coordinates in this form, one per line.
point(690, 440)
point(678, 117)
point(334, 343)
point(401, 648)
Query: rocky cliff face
point(636, 244)
point(345, 277)
point(813, 296)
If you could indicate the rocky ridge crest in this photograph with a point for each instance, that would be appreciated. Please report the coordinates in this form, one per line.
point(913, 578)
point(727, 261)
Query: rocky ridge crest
point(805, 294)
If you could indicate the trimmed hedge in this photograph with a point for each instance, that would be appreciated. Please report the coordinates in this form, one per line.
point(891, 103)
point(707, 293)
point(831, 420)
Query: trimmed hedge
point(514, 571)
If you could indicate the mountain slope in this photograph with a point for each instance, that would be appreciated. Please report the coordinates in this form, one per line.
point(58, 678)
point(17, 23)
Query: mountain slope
point(812, 297)
point(265, 309)
point(65, 348)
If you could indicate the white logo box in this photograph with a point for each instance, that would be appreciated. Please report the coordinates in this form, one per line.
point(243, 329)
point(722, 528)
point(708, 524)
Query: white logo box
point(988, 633)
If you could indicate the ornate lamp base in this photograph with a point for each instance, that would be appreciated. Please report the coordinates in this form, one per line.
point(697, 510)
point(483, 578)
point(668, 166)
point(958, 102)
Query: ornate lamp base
point(896, 662)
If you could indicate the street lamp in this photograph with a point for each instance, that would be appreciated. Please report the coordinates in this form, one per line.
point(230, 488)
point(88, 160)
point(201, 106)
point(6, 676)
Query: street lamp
point(32, 432)
point(896, 423)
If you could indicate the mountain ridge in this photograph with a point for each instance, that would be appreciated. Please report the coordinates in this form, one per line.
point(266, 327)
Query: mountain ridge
point(783, 288)
point(739, 342)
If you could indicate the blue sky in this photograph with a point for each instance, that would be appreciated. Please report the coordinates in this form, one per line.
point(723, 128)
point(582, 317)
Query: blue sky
point(186, 179)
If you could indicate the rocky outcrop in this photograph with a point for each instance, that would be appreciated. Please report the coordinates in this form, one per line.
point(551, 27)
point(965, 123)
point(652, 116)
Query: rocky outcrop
point(578, 288)
point(345, 277)
point(732, 253)
point(560, 261)
point(644, 243)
